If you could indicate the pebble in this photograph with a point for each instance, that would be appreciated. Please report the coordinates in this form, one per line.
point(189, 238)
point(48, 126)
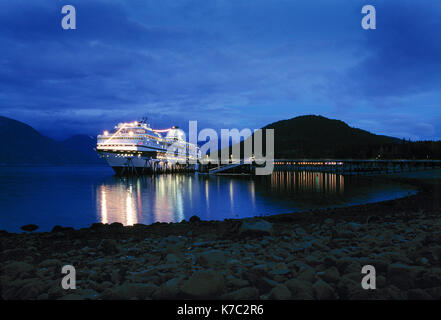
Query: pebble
point(261, 260)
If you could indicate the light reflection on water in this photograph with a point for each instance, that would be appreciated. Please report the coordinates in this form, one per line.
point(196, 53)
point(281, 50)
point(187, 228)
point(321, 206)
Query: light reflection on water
point(307, 181)
point(175, 197)
point(79, 196)
point(125, 200)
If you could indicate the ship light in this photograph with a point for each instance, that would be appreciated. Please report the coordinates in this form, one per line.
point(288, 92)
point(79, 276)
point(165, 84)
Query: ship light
point(130, 133)
point(106, 133)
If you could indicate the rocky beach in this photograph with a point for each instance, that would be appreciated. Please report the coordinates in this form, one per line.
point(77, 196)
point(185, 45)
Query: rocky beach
point(317, 254)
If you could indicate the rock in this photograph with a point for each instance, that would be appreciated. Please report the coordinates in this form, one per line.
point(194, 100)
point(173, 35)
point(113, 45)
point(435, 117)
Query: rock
point(50, 263)
point(13, 254)
point(353, 267)
point(353, 226)
point(314, 259)
point(239, 283)
point(323, 291)
point(101, 286)
point(343, 262)
point(306, 273)
point(43, 296)
point(418, 294)
point(97, 226)
point(347, 287)
point(340, 254)
point(247, 293)
point(116, 225)
point(72, 296)
point(139, 276)
point(300, 231)
point(380, 282)
point(169, 290)
point(211, 258)
point(172, 258)
point(55, 291)
point(264, 284)
point(331, 275)
point(172, 239)
point(258, 279)
point(176, 248)
point(202, 244)
point(251, 227)
point(345, 234)
point(403, 276)
point(194, 219)
point(300, 290)
point(24, 289)
point(29, 227)
point(260, 268)
point(115, 277)
point(394, 293)
point(435, 292)
point(280, 272)
point(393, 257)
point(430, 278)
point(204, 284)
point(109, 246)
point(88, 294)
point(130, 290)
point(330, 261)
point(57, 228)
point(280, 292)
point(61, 229)
point(17, 268)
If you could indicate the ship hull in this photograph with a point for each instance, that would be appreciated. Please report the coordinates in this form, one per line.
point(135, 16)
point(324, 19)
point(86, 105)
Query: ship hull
point(143, 164)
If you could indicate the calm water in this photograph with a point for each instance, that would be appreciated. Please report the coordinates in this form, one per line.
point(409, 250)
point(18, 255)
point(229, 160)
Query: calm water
point(79, 196)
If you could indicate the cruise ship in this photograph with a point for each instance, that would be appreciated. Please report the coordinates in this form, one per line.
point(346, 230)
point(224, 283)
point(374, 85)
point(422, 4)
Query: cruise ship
point(136, 148)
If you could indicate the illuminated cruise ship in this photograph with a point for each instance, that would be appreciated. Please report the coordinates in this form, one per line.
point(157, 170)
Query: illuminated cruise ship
point(136, 148)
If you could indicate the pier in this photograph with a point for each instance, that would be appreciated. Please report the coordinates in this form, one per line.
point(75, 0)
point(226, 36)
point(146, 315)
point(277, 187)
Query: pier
point(242, 167)
point(341, 166)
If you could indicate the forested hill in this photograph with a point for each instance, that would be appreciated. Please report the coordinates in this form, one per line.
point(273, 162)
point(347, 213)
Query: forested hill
point(313, 136)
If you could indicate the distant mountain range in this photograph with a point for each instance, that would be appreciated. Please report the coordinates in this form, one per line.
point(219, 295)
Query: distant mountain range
point(301, 137)
point(21, 144)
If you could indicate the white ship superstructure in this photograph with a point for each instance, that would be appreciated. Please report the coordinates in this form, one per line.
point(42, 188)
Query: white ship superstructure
point(135, 147)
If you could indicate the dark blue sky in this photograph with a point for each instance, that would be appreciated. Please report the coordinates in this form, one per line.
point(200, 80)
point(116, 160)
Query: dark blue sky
point(228, 64)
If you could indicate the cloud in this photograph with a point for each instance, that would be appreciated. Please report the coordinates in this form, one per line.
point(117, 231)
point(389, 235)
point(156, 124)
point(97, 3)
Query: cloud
point(223, 63)
point(402, 56)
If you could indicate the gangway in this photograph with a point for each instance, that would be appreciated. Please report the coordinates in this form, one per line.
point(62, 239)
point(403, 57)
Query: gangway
point(229, 166)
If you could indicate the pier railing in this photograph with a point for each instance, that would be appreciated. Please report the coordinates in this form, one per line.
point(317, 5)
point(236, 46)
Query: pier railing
point(356, 166)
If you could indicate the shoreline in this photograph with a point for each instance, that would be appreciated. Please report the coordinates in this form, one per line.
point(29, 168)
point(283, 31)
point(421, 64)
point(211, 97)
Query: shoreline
point(316, 254)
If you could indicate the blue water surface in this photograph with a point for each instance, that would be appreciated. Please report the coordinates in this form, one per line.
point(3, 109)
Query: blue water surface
point(80, 196)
